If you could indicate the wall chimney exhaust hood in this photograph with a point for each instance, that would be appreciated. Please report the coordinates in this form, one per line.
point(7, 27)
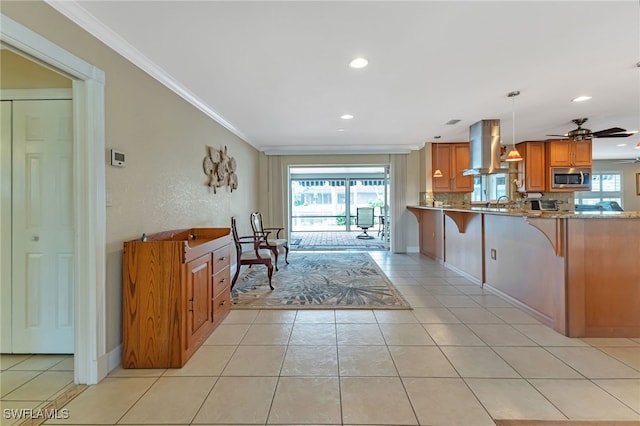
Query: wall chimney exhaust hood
point(484, 146)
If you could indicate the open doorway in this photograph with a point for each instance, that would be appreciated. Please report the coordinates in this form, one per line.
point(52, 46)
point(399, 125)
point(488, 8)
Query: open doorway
point(37, 208)
point(325, 203)
point(90, 361)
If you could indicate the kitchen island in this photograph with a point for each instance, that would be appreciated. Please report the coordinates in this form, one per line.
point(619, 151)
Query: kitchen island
point(576, 272)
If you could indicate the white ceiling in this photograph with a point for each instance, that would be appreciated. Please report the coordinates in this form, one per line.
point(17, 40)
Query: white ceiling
point(276, 73)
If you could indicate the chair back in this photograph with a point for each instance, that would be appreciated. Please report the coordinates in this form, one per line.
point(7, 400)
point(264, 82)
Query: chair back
point(364, 216)
point(256, 223)
point(236, 238)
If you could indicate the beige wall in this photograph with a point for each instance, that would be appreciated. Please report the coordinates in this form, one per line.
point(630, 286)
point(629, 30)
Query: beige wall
point(17, 72)
point(162, 186)
point(630, 198)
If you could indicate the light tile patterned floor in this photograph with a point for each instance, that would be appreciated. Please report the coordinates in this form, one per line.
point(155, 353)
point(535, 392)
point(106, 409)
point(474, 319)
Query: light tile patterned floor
point(461, 357)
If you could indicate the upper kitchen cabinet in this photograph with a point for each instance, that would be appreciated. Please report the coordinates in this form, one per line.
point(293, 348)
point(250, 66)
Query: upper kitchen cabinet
point(451, 159)
point(569, 153)
point(532, 171)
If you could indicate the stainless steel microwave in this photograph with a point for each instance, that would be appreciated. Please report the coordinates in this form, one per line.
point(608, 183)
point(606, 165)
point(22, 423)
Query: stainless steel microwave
point(570, 178)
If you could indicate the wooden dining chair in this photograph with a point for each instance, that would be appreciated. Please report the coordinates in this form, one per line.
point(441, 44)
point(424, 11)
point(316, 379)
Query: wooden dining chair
point(256, 255)
point(273, 244)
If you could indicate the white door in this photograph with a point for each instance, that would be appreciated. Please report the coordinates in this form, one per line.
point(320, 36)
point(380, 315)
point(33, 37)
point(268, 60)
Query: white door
point(42, 226)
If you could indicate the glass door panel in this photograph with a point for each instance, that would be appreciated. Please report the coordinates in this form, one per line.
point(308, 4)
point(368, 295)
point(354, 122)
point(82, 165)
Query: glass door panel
point(367, 193)
point(318, 205)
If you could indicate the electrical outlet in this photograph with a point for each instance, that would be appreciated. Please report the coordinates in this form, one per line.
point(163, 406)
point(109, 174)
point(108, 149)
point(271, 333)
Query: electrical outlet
point(493, 254)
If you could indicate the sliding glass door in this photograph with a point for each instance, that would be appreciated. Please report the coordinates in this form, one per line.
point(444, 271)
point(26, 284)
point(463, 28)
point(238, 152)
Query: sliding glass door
point(327, 198)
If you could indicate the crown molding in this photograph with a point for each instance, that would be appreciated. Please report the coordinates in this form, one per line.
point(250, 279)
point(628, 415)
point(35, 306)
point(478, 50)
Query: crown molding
point(80, 16)
point(340, 150)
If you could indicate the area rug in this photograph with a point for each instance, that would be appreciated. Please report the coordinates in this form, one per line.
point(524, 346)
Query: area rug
point(318, 280)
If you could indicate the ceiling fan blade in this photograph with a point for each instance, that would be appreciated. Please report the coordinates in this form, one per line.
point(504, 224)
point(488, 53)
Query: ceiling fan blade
point(612, 130)
point(561, 136)
point(613, 135)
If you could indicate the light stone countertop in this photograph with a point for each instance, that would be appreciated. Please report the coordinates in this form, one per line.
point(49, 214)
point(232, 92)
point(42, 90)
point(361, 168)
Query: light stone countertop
point(537, 213)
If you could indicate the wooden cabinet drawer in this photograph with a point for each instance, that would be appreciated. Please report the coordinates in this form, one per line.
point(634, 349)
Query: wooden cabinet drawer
point(221, 259)
point(221, 281)
point(221, 306)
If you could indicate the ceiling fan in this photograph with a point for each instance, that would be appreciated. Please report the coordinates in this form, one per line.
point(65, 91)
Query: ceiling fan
point(580, 133)
point(634, 161)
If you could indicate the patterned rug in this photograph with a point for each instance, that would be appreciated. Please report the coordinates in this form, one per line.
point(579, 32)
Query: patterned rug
point(318, 280)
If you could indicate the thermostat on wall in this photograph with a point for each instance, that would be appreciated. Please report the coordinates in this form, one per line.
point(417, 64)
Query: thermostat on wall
point(117, 158)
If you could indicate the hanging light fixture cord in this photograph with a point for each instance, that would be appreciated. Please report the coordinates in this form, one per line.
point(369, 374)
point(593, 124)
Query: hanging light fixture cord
point(513, 95)
point(513, 155)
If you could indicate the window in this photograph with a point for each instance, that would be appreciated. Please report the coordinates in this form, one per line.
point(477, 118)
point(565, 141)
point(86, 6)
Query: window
point(605, 186)
point(489, 187)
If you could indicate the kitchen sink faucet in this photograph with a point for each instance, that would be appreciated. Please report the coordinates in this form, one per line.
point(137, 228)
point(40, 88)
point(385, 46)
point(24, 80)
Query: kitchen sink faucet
point(500, 198)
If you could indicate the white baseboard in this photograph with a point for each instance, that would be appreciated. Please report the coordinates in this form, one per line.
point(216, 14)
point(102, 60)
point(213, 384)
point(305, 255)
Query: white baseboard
point(466, 275)
point(113, 359)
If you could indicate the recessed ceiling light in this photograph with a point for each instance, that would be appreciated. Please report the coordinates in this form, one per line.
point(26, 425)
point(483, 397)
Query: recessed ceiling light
point(359, 63)
point(346, 116)
point(341, 130)
point(581, 99)
point(621, 144)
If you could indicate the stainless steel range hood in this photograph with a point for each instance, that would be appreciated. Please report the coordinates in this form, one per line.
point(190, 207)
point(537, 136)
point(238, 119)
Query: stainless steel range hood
point(484, 145)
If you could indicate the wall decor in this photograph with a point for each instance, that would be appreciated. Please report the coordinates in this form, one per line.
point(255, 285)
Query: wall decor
point(220, 168)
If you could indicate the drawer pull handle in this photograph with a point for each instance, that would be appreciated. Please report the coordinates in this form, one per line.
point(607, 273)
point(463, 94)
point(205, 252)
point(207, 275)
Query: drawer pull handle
point(223, 303)
point(191, 301)
point(222, 259)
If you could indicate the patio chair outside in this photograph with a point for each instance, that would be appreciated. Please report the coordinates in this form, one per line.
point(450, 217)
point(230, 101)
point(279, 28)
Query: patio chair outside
point(364, 221)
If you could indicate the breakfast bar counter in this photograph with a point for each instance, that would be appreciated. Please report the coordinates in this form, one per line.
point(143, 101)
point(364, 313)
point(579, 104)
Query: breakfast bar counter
point(576, 272)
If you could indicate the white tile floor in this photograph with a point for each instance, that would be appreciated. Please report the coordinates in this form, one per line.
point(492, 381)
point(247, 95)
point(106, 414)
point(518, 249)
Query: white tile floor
point(461, 357)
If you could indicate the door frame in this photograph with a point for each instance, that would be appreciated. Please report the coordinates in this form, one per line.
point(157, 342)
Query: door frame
point(347, 177)
point(90, 358)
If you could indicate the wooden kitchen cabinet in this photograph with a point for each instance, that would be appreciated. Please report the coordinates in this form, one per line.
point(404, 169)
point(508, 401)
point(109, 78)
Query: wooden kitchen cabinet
point(452, 159)
point(569, 153)
point(198, 298)
point(532, 170)
point(175, 291)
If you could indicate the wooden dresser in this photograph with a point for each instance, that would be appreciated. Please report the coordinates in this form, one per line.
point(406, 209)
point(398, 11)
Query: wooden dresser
point(175, 291)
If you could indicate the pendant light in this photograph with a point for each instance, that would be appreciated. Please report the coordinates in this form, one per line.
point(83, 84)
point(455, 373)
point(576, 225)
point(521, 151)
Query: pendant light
point(438, 172)
point(513, 155)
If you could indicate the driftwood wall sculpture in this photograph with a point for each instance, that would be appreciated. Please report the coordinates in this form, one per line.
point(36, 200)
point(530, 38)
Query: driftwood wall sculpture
point(220, 168)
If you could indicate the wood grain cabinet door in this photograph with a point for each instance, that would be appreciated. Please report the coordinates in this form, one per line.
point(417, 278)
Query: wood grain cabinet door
point(441, 155)
point(560, 153)
point(582, 153)
point(461, 161)
point(533, 169)
point(198, 297)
